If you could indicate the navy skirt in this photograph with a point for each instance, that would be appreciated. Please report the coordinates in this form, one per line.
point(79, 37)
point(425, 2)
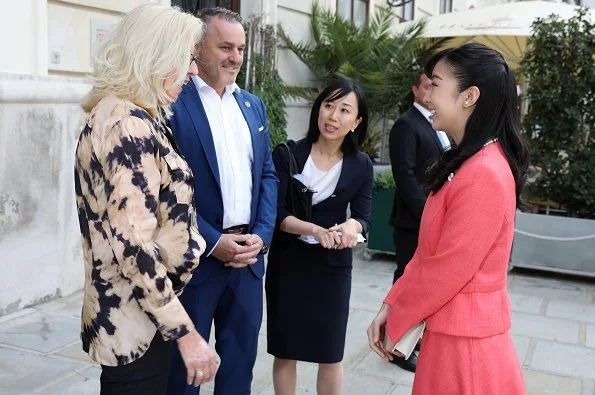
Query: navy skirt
point(307, 291)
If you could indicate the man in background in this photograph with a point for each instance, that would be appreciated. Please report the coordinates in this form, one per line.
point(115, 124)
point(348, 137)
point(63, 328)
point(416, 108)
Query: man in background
point(413, 146)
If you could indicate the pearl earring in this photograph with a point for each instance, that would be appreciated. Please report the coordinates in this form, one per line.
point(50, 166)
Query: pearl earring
point(352, 130)
point(466, 103)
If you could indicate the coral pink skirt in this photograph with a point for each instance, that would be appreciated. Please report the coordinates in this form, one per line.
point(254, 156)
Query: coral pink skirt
point(454, 365)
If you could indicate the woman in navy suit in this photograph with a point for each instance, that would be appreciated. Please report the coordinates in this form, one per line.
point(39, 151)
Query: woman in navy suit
point(308, 285)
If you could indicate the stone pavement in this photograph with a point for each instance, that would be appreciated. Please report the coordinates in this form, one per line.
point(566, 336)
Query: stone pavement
point(553, 329)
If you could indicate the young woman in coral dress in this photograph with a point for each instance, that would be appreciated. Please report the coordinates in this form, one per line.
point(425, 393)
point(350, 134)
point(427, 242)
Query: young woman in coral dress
point(456, 281)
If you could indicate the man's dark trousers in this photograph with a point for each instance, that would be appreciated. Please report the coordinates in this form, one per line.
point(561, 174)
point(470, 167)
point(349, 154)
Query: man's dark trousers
point(405, 245)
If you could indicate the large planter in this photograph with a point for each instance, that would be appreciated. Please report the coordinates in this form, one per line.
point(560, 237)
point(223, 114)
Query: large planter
point(560, 244)
point(380, 234)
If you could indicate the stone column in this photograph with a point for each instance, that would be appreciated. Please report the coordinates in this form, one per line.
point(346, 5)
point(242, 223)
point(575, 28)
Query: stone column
point(40, 255)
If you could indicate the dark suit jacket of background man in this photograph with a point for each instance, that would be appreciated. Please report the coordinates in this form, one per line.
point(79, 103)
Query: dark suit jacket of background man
point(413, 146)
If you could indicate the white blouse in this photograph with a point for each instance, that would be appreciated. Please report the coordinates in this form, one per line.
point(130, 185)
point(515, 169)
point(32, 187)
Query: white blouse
point(322, 182)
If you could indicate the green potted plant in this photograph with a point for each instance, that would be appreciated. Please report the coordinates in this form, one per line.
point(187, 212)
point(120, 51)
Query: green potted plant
point(380, 234)
point(560, 119)
point(559, 128)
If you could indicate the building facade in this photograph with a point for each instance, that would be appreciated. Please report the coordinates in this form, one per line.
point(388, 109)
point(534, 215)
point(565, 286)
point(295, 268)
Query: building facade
point(47, 48)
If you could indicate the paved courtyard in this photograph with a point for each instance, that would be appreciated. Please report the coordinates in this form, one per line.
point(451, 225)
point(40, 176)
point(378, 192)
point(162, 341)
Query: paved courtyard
point(553, 329)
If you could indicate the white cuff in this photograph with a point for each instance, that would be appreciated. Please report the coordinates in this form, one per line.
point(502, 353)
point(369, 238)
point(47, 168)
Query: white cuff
point(215, 246)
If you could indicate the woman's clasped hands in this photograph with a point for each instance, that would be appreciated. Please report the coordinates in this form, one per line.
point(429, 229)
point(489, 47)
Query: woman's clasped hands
point(339, 236)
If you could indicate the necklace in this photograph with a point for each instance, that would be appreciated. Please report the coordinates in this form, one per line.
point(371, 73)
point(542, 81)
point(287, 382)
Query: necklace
point(491, 141)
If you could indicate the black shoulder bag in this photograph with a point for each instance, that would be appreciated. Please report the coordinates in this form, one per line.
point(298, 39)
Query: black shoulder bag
point(299, 196)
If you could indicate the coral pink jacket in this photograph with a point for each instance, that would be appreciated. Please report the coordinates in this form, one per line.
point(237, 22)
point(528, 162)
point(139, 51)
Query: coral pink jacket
point(456, 280)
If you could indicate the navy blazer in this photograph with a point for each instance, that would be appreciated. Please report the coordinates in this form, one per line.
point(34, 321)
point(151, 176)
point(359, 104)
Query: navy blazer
point(354, 188)
point(191, 129)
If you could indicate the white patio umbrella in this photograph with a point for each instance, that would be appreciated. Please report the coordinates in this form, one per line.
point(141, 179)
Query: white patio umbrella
point(504, 27)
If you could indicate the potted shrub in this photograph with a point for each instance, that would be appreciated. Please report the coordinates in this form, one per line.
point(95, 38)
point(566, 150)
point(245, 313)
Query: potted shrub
point(380, 234)
point(561, 113)
point(559, 129)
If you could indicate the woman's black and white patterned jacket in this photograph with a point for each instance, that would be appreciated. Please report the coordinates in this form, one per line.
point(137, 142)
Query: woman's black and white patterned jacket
point(135, 199)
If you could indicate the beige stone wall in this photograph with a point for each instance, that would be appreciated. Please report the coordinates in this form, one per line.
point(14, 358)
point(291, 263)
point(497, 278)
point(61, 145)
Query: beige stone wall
point(23, 28)
point(40, 119)
point(294, 16)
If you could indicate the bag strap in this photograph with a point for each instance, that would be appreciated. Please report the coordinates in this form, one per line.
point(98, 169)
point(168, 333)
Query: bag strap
point(293, 168)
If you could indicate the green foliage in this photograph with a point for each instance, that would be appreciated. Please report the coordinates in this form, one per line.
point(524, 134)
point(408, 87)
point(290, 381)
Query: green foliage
point(384, 180)
point(371, 142)
point(270, 88)
point(260, 76)
point(559, 66)
point(383, 63)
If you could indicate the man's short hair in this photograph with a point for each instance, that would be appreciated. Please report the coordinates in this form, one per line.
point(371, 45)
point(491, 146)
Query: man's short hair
point(418, 77)
point(207, 14)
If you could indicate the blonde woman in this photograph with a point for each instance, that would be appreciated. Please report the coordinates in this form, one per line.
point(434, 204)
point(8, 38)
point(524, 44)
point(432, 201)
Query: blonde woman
point(135, 195)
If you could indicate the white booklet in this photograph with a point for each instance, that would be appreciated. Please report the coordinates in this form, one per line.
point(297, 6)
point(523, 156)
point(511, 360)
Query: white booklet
point(310, 239)
point(407, 343)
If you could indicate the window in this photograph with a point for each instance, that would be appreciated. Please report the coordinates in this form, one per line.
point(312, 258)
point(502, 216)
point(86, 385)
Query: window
point(403, 8)
point(353, 10)
point(445, 6)
point(195, 5)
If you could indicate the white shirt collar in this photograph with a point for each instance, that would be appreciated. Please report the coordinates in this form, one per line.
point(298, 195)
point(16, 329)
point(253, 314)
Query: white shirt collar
point(201, 85)
point(441, 135)
point(424, 111)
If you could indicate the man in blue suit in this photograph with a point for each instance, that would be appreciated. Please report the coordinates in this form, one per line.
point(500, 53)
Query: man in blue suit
point(224, 135)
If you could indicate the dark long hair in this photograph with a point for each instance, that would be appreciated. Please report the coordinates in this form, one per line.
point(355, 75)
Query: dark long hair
point(335, 91)
point(496, 113)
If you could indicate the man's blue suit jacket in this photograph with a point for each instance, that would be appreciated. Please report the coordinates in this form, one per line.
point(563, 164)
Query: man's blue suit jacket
point(191, 129)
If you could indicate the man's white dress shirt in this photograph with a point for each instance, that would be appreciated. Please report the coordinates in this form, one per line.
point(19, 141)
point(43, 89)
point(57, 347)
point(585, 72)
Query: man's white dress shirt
point(441, 135)
point(233, 146)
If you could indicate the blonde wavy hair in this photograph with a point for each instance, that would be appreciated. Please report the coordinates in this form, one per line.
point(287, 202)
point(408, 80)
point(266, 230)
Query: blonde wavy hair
point(149, 45)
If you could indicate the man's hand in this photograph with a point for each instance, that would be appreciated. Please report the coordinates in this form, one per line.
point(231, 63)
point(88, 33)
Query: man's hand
point(247, 257)
point(229, 246)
